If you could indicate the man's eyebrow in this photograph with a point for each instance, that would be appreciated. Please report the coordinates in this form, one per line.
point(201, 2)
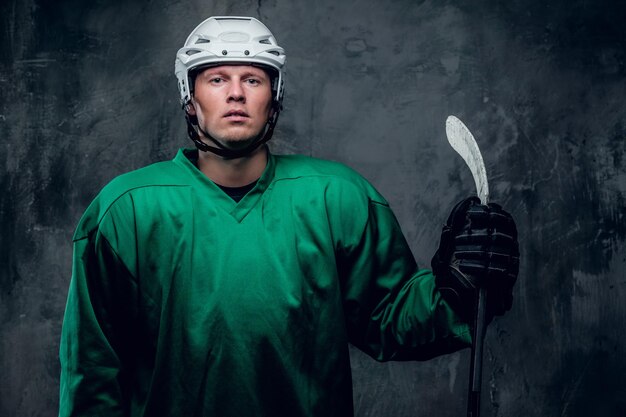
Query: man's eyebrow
point(210, 72)
point(259, 73)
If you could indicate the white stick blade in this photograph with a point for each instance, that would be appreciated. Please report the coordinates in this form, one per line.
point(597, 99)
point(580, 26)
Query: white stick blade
point(463, 142)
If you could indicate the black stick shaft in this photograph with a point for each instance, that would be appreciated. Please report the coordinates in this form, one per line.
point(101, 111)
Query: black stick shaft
point(476, 363)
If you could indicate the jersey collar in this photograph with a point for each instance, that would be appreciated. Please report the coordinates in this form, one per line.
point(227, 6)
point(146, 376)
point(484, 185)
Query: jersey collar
point(218, 197)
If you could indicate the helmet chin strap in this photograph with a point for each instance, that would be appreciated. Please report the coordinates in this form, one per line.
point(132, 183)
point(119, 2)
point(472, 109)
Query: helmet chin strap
point(221, 150)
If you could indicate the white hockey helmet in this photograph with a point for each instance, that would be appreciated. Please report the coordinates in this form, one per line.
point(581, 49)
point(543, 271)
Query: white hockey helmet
point(222, 40)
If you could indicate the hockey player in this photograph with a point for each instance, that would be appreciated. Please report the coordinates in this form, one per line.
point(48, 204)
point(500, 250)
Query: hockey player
point(229, 281)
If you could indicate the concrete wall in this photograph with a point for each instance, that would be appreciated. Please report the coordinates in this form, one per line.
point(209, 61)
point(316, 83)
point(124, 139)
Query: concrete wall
point(87, 92)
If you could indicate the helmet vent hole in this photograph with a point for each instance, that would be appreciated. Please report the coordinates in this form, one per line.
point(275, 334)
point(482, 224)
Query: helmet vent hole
point(265, 41)
point(274, 53)
point(192, 52)
point(203, 41)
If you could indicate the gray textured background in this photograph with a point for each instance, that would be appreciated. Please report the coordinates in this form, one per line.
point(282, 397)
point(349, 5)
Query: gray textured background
point(87, 92)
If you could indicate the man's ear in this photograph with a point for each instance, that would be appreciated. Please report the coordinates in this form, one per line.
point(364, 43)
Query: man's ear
point(190, 108)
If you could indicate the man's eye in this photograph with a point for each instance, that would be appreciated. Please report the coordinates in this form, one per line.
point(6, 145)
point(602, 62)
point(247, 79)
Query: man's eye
point(252, 81)
point(216, 80)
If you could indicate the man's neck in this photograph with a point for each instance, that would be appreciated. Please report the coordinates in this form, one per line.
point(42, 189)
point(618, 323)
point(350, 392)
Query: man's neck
point(233, 172)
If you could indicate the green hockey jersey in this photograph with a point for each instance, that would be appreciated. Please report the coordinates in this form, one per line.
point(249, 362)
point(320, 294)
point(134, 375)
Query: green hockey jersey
point(185, 303)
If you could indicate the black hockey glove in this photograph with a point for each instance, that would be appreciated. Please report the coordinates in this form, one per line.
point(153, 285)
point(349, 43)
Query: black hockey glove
point(478, 248)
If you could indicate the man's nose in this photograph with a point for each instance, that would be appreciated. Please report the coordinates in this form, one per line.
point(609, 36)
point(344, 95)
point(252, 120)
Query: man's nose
point(236, 92)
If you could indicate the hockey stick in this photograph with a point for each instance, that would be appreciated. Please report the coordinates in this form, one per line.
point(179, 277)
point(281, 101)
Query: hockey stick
point(463, 142)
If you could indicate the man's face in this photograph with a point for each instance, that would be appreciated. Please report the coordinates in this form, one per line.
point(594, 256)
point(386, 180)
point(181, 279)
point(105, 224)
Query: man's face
point(232, 102)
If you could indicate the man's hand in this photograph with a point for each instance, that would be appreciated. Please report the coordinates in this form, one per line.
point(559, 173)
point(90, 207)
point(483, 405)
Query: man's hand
point(478, 249)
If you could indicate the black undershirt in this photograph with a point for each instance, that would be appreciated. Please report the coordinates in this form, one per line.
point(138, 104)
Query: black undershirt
point(237, 193)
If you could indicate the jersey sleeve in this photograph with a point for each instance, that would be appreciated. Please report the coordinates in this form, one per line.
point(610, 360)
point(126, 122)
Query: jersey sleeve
point(98, 323)
point(392, 309)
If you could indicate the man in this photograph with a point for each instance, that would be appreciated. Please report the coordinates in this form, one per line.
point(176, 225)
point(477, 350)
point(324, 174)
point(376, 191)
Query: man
point(229, 281)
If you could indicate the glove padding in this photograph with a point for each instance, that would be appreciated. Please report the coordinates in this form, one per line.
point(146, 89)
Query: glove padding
point(478, 249)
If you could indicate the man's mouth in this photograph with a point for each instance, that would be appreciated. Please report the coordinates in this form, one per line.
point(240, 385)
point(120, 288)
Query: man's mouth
point(236, 114)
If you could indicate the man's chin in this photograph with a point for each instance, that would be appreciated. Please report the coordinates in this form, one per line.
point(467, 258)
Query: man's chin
point(237, 143)
point(234, 143)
